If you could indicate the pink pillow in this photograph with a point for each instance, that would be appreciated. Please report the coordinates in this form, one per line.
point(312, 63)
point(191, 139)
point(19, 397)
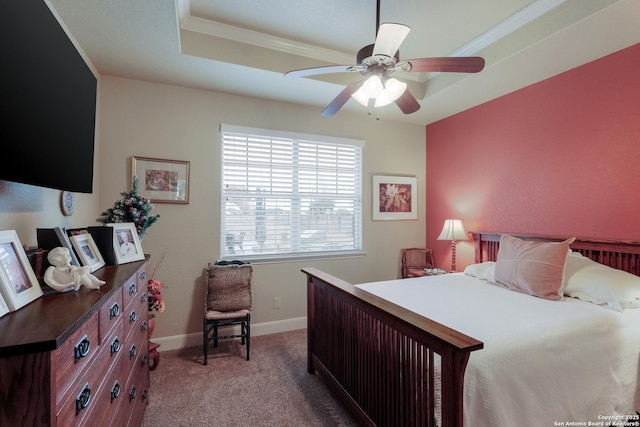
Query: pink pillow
point(534, 268)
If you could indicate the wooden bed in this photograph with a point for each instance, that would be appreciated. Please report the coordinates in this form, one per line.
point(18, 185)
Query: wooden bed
point(383, 360)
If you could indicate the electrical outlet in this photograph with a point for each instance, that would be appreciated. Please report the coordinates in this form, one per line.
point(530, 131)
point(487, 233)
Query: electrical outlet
point(276, 303)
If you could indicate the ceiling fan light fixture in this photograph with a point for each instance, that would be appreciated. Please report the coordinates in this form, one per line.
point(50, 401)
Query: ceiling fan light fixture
point(371, 88)
point(393, 89)
point(360, 97)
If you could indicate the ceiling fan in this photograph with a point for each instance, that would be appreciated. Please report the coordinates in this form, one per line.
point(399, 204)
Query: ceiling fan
point(378, 61)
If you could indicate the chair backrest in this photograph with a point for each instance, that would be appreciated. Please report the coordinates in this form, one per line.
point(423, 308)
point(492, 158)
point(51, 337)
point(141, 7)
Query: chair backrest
point(416, 258)
point(228, 287)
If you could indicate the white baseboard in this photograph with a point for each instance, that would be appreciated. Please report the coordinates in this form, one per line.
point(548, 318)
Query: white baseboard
point(190, 340)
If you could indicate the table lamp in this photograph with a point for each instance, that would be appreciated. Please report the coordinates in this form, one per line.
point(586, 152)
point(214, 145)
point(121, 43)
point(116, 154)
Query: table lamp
point(453, 230)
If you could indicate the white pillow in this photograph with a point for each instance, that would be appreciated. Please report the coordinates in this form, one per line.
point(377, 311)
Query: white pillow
point(597, 283)
point(482, 271)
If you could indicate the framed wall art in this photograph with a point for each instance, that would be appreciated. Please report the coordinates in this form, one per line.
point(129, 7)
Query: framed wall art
point(395, 197)
point(161, 180)
point(87, 251)
point(126, 244)
point(18, 283)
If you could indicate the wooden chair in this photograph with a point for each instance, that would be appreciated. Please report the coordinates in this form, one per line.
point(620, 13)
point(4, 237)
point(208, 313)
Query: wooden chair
point(227, 303)
point(415, 260)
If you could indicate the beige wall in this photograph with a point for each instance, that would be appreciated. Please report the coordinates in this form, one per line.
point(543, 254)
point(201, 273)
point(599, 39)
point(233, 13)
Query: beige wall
point(150, 120)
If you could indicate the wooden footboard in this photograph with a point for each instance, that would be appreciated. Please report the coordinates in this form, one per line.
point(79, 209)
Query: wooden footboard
point(390, 366)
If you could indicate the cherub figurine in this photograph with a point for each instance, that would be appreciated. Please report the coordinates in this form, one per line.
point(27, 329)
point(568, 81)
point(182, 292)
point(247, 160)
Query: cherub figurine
point(61, 274)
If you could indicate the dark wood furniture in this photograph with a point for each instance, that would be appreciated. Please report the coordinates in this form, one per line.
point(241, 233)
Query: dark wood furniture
point(78, 358)
point(382, 360)
point(415, 260)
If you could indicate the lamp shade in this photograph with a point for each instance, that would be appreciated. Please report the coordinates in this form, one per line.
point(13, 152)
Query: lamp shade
point(393, 89)
point(453, 230)
point(383, 94)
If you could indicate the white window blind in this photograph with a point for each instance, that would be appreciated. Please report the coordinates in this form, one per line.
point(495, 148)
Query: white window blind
point(288, 195)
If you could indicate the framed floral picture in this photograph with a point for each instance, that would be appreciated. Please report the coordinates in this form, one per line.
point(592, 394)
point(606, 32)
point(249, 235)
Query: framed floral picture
point(87, 251)
point(162, 180)
point(18, 283)
point(126, 244)
point(395, 197)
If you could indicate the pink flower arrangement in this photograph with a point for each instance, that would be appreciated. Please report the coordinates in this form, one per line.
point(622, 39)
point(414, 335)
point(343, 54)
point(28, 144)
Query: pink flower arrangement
point(154, 295)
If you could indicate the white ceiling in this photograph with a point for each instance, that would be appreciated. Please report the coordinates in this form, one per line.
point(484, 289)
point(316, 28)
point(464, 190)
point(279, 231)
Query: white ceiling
point(245, 46)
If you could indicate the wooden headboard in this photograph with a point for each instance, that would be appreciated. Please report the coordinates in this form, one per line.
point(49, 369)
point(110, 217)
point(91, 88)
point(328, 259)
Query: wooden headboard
point(620, 254)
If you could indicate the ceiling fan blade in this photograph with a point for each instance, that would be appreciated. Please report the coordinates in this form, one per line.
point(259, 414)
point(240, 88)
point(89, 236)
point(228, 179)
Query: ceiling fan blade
point(341, 99)
point(389, 38)
point(407, 103)
point(447, 64)
point(320, 70)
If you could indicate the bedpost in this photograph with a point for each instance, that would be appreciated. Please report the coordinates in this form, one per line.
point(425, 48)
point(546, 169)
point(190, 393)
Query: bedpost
point(477, 247)
point(454, 365)
point(310, 322)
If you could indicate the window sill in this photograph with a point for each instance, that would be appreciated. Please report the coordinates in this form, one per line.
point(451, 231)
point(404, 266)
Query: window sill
point(262, 259)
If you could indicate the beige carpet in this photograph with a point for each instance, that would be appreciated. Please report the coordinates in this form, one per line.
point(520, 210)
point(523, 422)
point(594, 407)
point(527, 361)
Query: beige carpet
point(271, 389)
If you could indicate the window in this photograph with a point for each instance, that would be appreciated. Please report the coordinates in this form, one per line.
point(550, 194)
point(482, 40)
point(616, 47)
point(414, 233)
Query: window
point(287, 195)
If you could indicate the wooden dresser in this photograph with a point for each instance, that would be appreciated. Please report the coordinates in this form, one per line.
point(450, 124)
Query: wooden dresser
point(78, 358)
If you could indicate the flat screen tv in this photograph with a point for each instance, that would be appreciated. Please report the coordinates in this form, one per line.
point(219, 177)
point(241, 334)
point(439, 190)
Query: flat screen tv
point(48, 100)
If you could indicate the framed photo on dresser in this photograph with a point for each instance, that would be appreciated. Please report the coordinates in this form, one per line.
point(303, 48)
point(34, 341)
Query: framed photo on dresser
point(87, 251)
point(18, 283)
point(126, 243)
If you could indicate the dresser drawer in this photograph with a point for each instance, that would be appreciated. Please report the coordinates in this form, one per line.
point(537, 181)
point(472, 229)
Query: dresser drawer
point(111, 314)
point(83, 394)
point(109, 400)
point(75, 354)
point(135, 320)
point(137, 399)
point(130, 290)
point(137, 343)
point(135, 289)
point(142, 277)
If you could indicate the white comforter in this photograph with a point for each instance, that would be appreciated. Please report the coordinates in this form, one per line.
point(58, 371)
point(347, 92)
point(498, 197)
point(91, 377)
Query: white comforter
point(544, 363)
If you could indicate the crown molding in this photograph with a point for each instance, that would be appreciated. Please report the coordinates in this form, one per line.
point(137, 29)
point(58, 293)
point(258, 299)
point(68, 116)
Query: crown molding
point(255, 38)
point(267, 41)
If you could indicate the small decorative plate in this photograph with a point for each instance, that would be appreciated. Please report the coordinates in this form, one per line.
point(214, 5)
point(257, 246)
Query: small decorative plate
point(67, 203)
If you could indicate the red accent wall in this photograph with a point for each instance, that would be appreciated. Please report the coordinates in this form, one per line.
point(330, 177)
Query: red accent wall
point(560, 157)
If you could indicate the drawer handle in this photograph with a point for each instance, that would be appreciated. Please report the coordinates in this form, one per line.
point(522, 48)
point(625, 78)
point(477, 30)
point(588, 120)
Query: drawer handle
point(143, 297)
point(115, 346)
point(132, 288)
point(115, 391)
point(132, 317)
point(143, 275)
point(145, 394)
point(114, 310)
point(83, 399)
point(132, 393)
point(143, 326)
point(143, 361)
point(133, 351)
point(82, 348)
